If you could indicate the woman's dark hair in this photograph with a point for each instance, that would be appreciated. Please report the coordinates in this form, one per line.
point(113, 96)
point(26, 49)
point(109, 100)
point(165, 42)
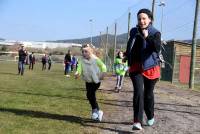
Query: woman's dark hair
point(118, 54)
point(146, 11)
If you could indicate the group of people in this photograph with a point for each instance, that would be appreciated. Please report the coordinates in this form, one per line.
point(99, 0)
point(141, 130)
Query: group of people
point(142, 59)
point(70, 63)
point(29, 59)
point(25, 59)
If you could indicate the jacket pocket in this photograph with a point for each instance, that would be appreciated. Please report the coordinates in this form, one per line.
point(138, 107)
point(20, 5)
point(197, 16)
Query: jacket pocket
point(150, 61)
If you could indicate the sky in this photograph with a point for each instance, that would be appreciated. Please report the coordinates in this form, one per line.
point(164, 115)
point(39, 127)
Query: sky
point(40, 20)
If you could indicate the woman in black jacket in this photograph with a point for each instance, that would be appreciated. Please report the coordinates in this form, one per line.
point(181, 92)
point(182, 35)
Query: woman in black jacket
point(142, 52)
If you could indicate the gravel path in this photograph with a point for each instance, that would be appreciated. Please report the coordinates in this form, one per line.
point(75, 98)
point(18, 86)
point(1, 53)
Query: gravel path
point(176, 111)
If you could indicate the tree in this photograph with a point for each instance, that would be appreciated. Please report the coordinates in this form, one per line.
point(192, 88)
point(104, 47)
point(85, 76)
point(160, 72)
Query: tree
point(4, 48)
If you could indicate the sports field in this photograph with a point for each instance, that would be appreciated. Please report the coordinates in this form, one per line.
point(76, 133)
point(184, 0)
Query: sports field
point(46, 102)
point(42, 102)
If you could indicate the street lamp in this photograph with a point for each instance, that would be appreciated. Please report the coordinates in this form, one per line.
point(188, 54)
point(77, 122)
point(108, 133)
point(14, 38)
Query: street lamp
point(162, 4)
point(91, 27)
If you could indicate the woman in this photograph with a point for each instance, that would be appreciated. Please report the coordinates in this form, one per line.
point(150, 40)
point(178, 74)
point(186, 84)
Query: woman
point(144, 66)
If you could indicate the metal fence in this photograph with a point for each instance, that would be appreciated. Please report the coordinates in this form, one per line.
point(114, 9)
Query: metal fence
point(175, 22)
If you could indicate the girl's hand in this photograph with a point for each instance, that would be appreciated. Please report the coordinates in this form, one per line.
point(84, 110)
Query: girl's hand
point(76, 75)
point(145, 32)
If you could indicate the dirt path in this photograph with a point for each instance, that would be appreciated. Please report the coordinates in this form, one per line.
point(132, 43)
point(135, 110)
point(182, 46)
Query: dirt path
point(176, 111)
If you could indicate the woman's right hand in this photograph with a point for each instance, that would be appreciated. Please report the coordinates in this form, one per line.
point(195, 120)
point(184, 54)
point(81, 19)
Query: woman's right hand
point(76, 75)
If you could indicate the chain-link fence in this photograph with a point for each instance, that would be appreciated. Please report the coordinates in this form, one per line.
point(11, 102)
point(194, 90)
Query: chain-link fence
point(174, 21)
point(115, 36)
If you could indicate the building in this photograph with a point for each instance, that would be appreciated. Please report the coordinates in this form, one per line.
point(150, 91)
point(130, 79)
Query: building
point(39, 44)
point(177, 55)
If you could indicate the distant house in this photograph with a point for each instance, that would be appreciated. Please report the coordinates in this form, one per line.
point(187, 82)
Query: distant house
point(177, 66)
point(39, 44)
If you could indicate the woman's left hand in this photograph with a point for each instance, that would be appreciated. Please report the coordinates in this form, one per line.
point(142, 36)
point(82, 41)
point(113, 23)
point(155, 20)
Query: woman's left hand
point(145, 33)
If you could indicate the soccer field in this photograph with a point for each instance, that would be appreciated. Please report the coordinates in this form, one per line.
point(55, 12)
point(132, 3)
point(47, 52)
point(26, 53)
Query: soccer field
point(42, 101)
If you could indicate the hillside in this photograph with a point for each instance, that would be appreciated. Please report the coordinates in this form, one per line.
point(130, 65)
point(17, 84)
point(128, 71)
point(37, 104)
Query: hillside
point(121, 39)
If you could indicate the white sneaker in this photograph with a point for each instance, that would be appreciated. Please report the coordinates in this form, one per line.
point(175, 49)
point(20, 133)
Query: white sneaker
point(67, 76)
point(100, 113)
point(95, 116)
point(137, 126)
point(150, 122)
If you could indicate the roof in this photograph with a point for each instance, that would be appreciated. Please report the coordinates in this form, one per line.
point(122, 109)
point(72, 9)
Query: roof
point(184, 42)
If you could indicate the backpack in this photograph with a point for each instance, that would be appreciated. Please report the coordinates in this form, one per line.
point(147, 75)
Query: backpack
point(161, 57)
point(49, 59)
point(160, 54)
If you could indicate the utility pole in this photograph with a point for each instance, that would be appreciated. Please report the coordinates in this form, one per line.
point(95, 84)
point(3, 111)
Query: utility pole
point(115, 44)
point(106, 46)
point(91, 26)
point(162, 5)
point(193, 50)
point(100, 38)
point(129, 25)
point(153, 8)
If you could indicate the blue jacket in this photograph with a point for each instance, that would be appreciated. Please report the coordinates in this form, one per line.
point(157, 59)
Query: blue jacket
point(144, 51)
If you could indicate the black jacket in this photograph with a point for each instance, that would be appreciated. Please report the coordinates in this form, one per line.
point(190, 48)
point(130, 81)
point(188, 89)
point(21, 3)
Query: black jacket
point(144, 51)
point(22, 55)
point(67, 59)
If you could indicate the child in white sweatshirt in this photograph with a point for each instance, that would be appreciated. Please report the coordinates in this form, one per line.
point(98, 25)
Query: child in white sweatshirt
point(92, 70)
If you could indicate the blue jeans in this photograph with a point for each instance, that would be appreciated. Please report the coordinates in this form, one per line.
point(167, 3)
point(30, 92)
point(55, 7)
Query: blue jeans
point(67, 68)
point(21, 67)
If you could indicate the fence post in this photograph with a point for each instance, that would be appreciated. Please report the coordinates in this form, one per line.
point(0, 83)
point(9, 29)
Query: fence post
point(153, 8)
point(129, 25)
point(193, 50)
point(115, 44)
point(106, 46)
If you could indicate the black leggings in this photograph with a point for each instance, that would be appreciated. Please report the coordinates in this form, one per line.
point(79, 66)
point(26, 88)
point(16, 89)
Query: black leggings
point(49, 67)
point(143, 98)
point(43, 66)
point(31, 65)
point(91, 94)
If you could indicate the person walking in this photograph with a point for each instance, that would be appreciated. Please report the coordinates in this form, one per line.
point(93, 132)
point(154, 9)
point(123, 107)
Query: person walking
point(67, 62)
point(31, 61)
point(73, 63)
point(44, 62)
point(142, 52)
point(22, 59)
point(120, 70)
point(92, 70)
point(49, 61)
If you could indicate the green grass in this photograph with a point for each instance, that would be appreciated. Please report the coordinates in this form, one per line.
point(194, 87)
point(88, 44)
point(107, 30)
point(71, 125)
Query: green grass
point(41, 102)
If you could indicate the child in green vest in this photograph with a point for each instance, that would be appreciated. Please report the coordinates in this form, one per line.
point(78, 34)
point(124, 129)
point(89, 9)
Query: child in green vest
point(120, 70)
point(92, 70)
